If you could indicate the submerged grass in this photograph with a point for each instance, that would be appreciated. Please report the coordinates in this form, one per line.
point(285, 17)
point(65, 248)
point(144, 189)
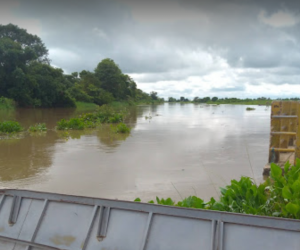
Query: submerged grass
point(39, 127)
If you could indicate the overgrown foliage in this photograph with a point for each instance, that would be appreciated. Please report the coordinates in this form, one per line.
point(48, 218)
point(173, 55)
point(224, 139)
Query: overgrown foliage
point(10, 127)
point(104, 114)
point(278, 196)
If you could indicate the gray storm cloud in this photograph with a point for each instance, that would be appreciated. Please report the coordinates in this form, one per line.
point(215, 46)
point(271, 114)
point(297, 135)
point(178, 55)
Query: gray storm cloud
point(209, 45)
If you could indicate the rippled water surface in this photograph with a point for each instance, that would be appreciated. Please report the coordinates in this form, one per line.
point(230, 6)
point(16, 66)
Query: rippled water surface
point(184, 149)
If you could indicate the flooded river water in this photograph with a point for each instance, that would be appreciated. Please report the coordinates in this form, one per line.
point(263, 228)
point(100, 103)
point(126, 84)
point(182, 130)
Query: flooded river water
point(185, 149)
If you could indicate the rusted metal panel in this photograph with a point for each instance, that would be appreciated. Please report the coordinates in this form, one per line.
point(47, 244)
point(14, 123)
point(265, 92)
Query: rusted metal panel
point(54, 221)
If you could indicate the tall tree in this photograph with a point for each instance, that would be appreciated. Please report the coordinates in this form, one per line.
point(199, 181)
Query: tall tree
point(25, 73)
point(111, 78)
point(32, 45)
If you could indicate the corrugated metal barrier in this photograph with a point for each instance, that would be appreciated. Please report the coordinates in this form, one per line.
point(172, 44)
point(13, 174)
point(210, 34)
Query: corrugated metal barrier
point(37, 220)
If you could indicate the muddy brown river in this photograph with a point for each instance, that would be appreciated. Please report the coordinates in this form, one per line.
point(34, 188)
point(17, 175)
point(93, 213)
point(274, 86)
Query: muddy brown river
point(184, 149)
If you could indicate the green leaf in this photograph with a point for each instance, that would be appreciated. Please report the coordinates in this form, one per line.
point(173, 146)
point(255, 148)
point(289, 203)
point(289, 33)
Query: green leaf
point(276, 171)
point(296, 186)
point(157, 200)
point(151, 201)
point(223, 191)
point(292, 208)
point(137, 200)
point(286, 193)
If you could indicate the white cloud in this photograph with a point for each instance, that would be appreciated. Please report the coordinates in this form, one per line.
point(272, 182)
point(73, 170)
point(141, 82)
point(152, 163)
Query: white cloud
point(62, 57)
point(279, 19)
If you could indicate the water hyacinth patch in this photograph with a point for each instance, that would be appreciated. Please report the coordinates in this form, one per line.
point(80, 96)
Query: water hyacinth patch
point(10, 127)
point(92, 120)
point(73, 123)
point(120, 128)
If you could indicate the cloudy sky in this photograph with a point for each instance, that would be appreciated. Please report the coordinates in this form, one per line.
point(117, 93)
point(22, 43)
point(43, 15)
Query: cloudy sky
point(224, 48)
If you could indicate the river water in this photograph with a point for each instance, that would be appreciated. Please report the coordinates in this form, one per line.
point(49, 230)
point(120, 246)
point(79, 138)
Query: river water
point(184, 149)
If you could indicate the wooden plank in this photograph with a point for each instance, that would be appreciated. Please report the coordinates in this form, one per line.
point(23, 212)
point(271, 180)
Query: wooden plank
point(284, 124)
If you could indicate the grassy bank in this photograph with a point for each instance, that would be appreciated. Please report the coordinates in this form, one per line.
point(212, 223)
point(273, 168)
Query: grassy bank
point(6, 103)
point(86, 106)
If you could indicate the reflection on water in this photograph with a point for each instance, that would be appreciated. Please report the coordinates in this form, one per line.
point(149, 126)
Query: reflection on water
point(184, 149)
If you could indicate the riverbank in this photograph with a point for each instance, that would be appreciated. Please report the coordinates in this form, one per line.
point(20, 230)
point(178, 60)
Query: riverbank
point(6, 103)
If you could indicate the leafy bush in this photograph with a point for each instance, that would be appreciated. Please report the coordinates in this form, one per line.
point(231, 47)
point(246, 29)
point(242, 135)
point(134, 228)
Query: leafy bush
point(249, 108)
point(39, 127)
point(10, 127)
point(279, 196)
point(115, 118)
point(121, 128)
point(73, 123)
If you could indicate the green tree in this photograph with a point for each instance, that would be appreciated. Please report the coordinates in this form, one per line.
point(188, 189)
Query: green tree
point(172, 99)
point(32, 46)
point(153, 95)
point(214, 99)
point(47, 87)
point(111, 78)
point(25, 73)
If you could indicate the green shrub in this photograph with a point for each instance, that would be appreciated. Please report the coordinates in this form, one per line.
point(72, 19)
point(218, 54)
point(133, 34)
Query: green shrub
point(120, 128)
point(10, 127)
point(39, 127)
point(73, 123)
point(279, 196)
point(249, 108)
point(115, 118)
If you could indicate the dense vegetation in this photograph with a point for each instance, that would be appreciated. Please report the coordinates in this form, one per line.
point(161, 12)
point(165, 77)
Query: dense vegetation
point(10, 127)
point(105, 114)
point(278, 196)
point(6, 103)
point(27, 77)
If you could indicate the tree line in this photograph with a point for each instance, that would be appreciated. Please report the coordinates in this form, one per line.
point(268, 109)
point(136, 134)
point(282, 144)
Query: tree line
point(226, 100)
point(27, 77)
